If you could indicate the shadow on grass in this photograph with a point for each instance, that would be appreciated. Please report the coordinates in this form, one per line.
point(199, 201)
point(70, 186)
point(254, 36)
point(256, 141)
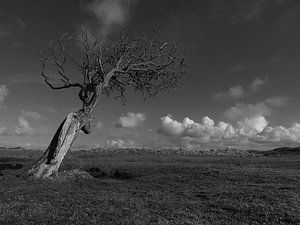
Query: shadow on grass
point(10, 166)
point(120, 174)
point(14, 159)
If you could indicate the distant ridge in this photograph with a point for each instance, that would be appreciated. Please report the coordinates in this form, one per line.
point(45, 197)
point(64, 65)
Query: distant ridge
point(11, 148)
point(278, 151)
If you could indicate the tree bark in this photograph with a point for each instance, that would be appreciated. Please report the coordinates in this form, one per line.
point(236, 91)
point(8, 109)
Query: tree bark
point(65, 135)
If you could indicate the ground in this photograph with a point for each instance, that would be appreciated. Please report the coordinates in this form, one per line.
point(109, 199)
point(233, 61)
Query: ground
point(144, 187)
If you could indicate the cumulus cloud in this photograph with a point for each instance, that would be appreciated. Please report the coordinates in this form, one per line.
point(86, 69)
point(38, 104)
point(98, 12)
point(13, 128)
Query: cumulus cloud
point(23, 128)
point(109, 14)
point(280, 134)
point(250, 130)
point(3, 93)
point(31, 115)
point(120, 143)
point(251, 126)
point(130, 120)
point(173, 127)
point(264, 108)
point(248, 126)
point(188, 133)
point(242, 110)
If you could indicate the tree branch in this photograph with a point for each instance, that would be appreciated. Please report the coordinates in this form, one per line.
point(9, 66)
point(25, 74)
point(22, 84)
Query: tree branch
point(66, 85)
point(145, 66)
point(66, 80)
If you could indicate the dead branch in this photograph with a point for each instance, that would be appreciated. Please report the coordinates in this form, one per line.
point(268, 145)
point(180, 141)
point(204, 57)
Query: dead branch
point(146, 66)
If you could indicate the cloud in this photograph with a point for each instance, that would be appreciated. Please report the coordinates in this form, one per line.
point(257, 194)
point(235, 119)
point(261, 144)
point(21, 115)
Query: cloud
point(258, 83)
point(248, 126)
point(264, 108)
point(23, 128)
point(251, 126)
point(99, 125)
point(280, 134)
point(242, 110)
point(31, 115)
point(4, 131)
point(130, 120)
point(51, 109)
point(238, 91)
point(9, 26)
point(237, 12)
point(234, 92)
point(109, 14)
point(3, 93)
point(4, 35)
point(120, 143)
point(250, 130)
point(277, 101)
point(240, 67)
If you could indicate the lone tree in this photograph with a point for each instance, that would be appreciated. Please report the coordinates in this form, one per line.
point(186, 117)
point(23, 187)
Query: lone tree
point(146, 66)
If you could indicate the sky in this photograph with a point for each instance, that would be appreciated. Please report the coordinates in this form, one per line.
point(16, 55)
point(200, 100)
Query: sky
point(241, 87)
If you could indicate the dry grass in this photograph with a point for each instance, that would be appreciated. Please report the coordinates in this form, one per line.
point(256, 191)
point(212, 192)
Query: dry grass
point(145, 188)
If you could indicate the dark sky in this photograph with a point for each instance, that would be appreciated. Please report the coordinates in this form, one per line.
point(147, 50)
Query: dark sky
point(241, 87)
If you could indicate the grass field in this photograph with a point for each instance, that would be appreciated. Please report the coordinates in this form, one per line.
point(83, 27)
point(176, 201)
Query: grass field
point(147, 188)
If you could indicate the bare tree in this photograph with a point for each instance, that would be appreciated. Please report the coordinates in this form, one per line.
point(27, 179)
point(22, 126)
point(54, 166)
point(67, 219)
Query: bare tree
point(145, 66)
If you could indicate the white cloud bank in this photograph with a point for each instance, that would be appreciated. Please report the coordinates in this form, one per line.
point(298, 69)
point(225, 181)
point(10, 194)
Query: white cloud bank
point(248, 126)
point(248, 131)
point(130, 120)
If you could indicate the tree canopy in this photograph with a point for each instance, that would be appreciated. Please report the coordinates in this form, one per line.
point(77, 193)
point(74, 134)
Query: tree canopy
point(147, 66)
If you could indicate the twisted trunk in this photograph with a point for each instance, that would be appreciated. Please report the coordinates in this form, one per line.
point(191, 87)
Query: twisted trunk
point(59, 146)
point(65, 135)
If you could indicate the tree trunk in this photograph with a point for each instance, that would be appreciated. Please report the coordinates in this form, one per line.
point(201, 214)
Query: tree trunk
point(64, 137)
point(50, 161)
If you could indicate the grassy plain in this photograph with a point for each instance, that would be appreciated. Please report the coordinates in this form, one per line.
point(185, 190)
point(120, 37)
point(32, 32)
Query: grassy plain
point(145, 187)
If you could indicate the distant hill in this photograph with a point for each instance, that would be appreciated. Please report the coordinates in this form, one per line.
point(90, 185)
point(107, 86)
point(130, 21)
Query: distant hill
point(11, 148)
point(278, 151)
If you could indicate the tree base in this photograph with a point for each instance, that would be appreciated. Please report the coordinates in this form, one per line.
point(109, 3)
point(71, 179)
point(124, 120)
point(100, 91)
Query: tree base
point(50, 161)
